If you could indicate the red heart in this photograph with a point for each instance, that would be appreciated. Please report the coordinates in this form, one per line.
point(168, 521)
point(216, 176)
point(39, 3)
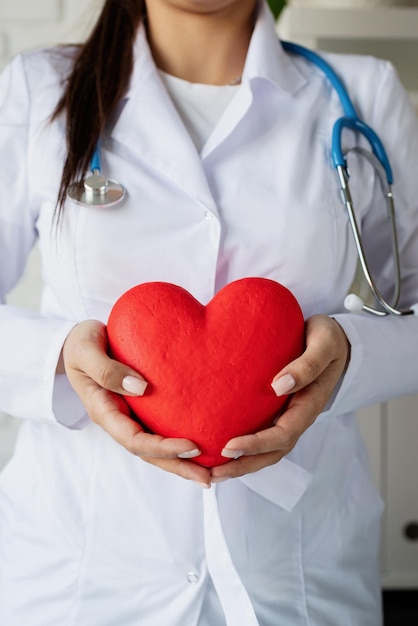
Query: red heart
point(209, 368)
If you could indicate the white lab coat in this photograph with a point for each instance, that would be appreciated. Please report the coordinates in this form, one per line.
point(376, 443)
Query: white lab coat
point(93, 536)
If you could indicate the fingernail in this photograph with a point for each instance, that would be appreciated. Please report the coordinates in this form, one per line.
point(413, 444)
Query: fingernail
point(232, 454)
point(283, 385)
point(202, 485)
point(190, 454)
point(134, 385)
point(219, 480)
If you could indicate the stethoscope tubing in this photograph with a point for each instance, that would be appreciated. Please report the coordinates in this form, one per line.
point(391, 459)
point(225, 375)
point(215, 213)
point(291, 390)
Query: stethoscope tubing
point(332, 76)
point(98, 191)
point(351, 121)
point(362, 128)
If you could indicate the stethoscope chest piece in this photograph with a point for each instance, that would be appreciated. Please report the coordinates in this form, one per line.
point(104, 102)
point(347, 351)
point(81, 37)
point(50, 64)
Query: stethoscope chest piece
point(98, 191)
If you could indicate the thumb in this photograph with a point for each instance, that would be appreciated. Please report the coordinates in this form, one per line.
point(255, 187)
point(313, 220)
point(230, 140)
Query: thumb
point(134, 384)
point(326, 344)
point(299, 373)
point(85, 354)
point(283, 384)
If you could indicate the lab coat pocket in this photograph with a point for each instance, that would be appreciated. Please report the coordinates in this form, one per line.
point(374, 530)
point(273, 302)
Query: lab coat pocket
point(344, 524)
point(360, 510)
point(340, 551)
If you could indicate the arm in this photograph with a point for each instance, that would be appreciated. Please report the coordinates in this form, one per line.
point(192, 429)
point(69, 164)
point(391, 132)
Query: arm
point(29, 344)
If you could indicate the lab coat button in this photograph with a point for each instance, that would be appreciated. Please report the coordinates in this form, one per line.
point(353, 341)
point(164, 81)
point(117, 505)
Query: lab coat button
point(208, 215)
point(192, 578)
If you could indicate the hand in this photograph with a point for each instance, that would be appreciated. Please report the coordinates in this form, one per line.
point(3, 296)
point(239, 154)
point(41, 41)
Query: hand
point(101, 383)
point(311, 379)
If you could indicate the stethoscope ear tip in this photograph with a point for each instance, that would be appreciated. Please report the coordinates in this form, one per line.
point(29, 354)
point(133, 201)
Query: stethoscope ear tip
point(353, 303)
point(414, 308)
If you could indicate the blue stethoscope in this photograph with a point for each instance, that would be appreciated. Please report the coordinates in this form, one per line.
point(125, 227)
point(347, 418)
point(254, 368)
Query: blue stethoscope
point(99, 191)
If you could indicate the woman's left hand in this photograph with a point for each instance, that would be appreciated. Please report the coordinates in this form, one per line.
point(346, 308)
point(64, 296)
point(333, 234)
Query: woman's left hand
point(311, 379)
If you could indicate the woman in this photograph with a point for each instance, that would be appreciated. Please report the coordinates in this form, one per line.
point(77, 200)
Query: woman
point(222, 140)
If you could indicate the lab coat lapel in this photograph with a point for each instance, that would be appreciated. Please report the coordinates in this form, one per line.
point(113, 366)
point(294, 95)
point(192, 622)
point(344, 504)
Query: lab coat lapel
point(150, 127)
point(266, 62)
point(229, 120)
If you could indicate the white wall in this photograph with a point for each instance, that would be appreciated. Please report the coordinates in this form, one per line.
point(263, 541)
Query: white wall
point(26, 24)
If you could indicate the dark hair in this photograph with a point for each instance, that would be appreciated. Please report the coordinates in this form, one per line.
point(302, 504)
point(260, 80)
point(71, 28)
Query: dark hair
point(99, 77)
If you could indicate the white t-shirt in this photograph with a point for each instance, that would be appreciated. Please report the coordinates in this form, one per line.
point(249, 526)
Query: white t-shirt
point(199, 106)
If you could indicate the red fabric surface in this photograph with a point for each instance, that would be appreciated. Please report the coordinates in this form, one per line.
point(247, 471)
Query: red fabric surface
point(209, 368)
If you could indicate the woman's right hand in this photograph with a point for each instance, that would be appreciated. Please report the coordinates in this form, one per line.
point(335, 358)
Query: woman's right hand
point(101, 382)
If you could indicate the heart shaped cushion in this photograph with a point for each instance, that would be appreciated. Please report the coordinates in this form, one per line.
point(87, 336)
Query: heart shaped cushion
point(209, 368)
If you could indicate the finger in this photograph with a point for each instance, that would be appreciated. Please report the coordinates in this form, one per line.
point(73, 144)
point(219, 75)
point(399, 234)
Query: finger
point(112, 413)
point(168, 454)
point(326, 343)
point(185, 469)
point(301, 412)
point(85, 351)
point(303, 370)
point(274, 439)
point(244, 465)
point(165, 453)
